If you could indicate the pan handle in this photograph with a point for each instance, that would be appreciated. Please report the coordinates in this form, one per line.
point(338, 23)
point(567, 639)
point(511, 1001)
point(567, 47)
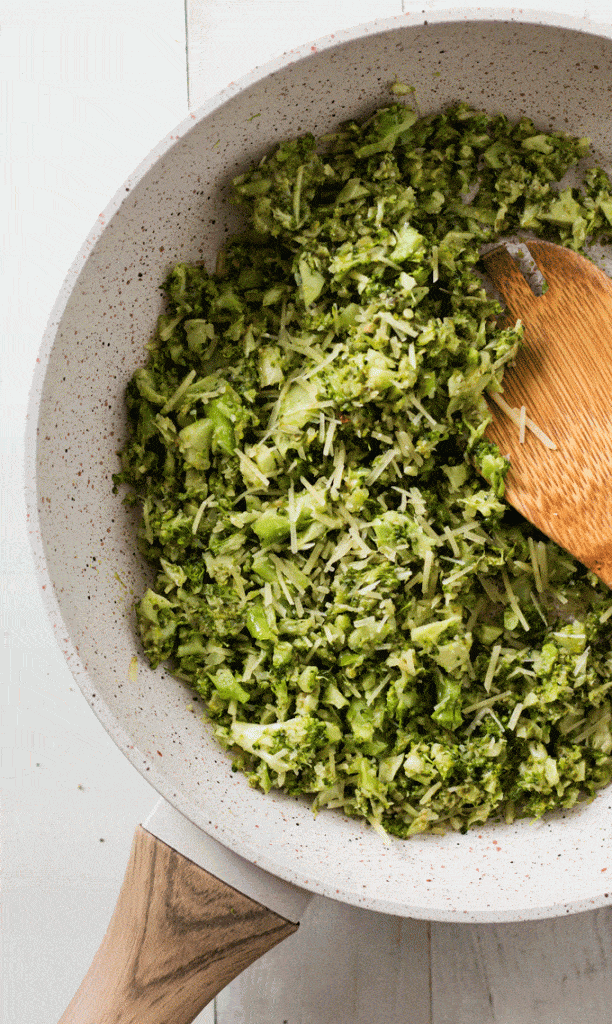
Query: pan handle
point(178, 935)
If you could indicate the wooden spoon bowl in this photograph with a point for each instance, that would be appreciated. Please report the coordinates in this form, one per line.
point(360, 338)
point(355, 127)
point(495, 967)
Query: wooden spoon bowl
point(562, 378)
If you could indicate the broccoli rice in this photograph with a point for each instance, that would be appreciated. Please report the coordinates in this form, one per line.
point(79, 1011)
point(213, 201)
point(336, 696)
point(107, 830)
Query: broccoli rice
point(334, 570)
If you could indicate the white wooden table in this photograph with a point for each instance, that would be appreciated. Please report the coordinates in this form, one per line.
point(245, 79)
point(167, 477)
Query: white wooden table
point(87, 91)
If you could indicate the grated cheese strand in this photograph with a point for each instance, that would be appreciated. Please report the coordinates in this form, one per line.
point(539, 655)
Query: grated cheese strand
point(492, 667)
point(522, 421)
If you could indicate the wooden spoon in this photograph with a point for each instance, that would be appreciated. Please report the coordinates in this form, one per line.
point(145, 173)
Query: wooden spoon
point(563, 378)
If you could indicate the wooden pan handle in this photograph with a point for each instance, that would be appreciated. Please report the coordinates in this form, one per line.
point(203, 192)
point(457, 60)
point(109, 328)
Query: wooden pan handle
point(177, 936)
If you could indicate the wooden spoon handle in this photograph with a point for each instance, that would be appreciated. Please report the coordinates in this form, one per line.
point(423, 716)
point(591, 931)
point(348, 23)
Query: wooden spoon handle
point(177, 936)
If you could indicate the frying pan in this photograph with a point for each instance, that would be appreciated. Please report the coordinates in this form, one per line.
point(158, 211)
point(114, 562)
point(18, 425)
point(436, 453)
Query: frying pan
point(553, 69)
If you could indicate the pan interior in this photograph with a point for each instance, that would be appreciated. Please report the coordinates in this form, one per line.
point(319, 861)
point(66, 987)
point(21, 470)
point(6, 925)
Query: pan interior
point(175, 208)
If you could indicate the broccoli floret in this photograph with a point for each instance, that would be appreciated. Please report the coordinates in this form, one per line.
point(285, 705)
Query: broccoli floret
point(284, 746)
point(158, 621)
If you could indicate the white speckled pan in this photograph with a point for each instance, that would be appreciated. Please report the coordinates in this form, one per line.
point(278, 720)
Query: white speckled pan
point(174, 207)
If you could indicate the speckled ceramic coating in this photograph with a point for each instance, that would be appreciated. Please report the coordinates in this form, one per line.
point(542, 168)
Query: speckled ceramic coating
point(174, 208)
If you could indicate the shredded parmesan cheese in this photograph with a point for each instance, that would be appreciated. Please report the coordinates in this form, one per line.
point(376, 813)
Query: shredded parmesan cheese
point(428, 560)
point(198, 516)
point(513, 600)
point(514, 717)
point(251, 469)
point(329, 437)
point(336, 477)
point(535, 563)
point(522, 421)
point(384, 461)
point(492, 667)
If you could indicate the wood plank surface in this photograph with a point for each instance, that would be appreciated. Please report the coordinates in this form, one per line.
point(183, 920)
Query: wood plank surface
point(87, 90)
point(348, 966)
point(228, 38)
point(343, 966)
point(535, 972)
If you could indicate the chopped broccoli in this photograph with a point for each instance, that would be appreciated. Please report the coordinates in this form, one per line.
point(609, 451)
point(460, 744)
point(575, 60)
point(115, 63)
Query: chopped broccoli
point(336, 574)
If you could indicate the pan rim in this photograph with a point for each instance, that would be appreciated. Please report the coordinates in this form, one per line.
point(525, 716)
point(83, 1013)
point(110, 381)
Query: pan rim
point(112, 724)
